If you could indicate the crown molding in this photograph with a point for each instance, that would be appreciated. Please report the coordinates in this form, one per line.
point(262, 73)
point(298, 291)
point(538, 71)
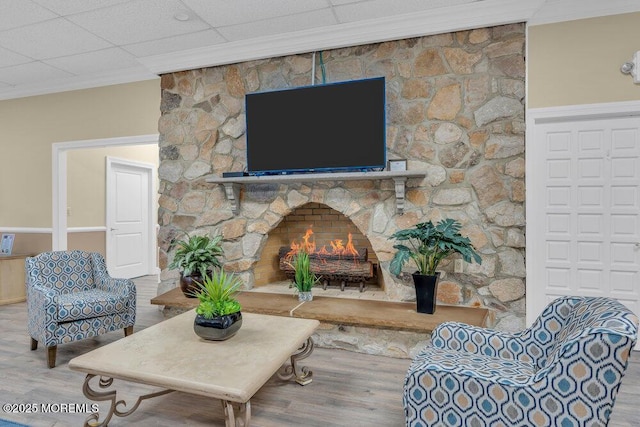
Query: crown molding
point(569, 10)
point(445, 19)
point(76, 82)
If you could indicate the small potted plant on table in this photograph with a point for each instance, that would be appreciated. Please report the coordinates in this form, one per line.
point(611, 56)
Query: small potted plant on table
point(426, 245)
point(195, 257)
point(218, 315)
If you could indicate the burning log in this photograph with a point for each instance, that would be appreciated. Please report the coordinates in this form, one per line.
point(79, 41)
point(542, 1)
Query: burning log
point(360, 256)
point(341, 261)
point(334, 267)
point(346, 269)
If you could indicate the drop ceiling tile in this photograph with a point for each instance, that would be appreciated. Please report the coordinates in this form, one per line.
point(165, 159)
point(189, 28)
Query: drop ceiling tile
point(175, 43)
point(385, 8)
point(8, 58)
point(231, 12)
point(69, 7)
point(24, 12)
point(95, 62)
point(272, 26)
point(138, 21)
point(30, 73)
point(50, 39)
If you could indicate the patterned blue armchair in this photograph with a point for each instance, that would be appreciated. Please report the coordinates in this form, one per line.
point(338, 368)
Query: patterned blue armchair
point(70, 296)
point(564, 370)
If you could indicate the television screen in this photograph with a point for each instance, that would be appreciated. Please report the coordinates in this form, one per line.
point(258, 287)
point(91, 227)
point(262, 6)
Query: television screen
point(330, 127)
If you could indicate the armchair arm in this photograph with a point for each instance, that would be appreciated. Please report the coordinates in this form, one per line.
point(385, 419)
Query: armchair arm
point(476, 340)
point(42, 313)
point(121, 287)
point(585, 349)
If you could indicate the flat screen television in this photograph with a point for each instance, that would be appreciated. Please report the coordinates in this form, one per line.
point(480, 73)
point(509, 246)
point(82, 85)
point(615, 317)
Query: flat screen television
point(322, 128)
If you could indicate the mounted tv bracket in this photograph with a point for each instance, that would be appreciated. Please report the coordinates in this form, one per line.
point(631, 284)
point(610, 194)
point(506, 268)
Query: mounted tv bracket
point(232, 185)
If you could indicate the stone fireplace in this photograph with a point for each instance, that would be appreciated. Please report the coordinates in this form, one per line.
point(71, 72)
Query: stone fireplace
point(454, 111)
point(273, 215)
point(327, 225)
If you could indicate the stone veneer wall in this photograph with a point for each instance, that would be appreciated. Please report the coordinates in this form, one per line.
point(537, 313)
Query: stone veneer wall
point(455, 109)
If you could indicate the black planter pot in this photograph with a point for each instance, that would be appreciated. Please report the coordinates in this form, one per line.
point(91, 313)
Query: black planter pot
point(219, 328)
point(426, 291)
point(188, 284)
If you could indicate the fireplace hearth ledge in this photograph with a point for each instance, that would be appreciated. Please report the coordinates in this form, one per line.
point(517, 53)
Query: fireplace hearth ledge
point(232, 185)
point(398, 316)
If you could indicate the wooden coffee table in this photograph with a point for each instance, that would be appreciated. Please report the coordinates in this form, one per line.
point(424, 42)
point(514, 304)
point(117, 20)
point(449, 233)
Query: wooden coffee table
point(171, 356)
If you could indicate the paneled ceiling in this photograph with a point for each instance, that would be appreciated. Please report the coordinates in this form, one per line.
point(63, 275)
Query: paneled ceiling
point(54, 45)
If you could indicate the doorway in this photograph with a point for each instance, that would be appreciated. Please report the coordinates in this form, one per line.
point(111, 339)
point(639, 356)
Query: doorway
point(59, 192)
point(129, 206)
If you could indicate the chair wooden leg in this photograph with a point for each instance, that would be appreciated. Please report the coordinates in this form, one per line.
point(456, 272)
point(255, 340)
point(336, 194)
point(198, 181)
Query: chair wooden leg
point(51, 356)
point(34, 344)
point(128, 330)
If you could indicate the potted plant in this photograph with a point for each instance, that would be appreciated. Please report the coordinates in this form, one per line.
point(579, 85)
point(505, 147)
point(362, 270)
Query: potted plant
point(218, 315)
point(195, 257)
point(426, 245)
point(303, 278)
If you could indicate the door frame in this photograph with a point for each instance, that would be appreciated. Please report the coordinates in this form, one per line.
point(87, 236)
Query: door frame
point(151, 243)
point(534, 192)
point(59, 180)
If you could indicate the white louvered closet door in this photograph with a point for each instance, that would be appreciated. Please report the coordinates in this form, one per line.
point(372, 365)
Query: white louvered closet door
point(585, 227)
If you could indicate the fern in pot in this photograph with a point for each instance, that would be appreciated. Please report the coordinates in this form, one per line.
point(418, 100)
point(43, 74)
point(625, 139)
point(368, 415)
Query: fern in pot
point(426, 245)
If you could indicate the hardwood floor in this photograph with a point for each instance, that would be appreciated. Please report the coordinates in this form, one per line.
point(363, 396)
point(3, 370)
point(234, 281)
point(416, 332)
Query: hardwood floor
point(349, 389)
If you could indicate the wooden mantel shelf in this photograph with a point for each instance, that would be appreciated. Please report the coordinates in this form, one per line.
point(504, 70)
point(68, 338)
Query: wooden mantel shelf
point(232, 185)
point(400, 316)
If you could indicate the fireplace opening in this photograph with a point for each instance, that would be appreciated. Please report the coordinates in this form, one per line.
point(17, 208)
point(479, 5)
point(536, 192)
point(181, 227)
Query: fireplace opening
point(337, 263)
point(340, 254)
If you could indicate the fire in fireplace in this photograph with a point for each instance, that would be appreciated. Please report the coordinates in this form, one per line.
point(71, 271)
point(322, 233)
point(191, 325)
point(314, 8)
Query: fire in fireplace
point(339, 262)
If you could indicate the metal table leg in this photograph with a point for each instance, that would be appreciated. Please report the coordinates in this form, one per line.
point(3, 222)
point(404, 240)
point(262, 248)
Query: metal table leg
point(303, 375)
point(93, 419)
point(243, 415)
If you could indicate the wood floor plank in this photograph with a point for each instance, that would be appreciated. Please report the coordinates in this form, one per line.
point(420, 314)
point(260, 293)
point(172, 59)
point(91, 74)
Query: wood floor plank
point(349, 389)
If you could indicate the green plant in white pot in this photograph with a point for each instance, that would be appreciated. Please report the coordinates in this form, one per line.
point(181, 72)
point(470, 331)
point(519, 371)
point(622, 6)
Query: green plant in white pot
point(426, 245)
point(195, 257)
point(304, 279)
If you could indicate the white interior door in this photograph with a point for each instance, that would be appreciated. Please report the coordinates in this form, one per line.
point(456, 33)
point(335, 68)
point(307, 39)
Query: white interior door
point(129, 218)
point(583, 213)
